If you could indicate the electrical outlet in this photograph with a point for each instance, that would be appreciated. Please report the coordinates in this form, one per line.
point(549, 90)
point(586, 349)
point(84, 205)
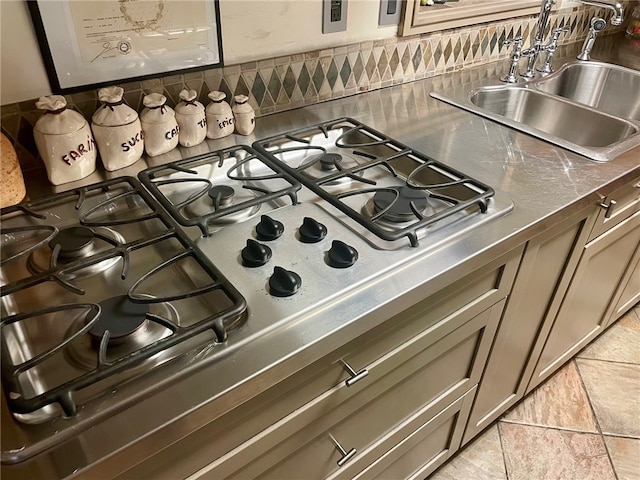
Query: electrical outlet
point(389, 12)
point(334, 16)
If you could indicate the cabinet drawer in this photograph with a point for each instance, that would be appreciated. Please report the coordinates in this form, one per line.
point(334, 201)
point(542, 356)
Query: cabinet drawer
point(626, 202)
point(441, 313)
point(424, 375)
point(428, 447)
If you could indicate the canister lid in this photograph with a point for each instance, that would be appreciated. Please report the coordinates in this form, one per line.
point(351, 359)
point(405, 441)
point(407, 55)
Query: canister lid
point(188, 104)
point(114, 111)
point(57, 119)
point(157, 111)
point(217, 96)
point(241, 104)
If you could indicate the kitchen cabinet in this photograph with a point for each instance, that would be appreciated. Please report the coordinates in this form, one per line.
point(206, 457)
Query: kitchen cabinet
point(601, 286)
point(419, 18)
point(543, 276)
point(409, 385)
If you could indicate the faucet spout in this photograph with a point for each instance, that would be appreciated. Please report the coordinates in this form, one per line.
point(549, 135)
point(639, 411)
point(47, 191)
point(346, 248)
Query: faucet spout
point(614, 5)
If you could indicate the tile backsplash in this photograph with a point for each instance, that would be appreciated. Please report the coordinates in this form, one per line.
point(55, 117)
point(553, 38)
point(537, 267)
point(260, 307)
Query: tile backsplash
point(292, 81)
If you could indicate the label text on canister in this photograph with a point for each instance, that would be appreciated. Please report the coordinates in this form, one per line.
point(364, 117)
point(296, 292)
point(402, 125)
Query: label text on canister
point(129, 144)
point(83, 148)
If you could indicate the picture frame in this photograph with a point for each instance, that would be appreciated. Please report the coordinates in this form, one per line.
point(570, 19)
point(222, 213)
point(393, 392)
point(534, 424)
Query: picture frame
point(88, 44)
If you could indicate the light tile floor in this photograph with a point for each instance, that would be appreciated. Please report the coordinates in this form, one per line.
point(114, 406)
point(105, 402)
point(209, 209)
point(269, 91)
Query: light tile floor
point(581, 424)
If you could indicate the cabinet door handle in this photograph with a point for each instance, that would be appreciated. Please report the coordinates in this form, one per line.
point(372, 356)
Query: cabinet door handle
point(346, 456)
point(609, 208)
point(355, 376)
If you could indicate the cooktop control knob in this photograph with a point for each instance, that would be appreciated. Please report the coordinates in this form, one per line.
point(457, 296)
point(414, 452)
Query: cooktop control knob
point(255, 254)
point(341, 255)
point(284, 283)
point(268, 228)
point(311, 231)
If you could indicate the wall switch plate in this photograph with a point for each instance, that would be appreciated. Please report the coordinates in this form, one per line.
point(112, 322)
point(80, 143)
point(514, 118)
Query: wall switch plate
point(389, 12)
point(334, 16)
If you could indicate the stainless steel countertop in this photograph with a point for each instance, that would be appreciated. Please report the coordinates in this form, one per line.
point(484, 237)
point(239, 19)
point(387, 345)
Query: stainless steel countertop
point(545, 182)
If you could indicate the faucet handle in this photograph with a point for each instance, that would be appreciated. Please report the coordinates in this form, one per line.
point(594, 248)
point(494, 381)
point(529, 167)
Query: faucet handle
point(511, 76)
point(517, 42)
point(556, 32)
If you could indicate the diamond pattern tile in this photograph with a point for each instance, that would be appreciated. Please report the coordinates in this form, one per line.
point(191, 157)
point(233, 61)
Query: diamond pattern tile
point(358, 68)
point(259, 88)
point(318, 76)
point(417, 58)
point(289, 82)
point(304, 79)
point(405, 60)
point(332, 74)
point(345, 71)
point(274, 85)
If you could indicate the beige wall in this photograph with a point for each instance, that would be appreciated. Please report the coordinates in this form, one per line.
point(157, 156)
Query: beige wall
point(251, 30)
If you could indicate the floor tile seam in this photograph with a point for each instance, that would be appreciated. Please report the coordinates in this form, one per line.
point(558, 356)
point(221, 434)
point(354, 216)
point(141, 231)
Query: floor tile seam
point(586, 391)
point(596, 420)
point(578, 357)
point(504, 458)
point(551, 427)
point(621, 435)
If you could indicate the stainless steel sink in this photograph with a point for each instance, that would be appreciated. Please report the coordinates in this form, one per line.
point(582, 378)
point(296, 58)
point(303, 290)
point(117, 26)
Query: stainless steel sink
point(588, 108)
point(608, 88)
point(553, 116)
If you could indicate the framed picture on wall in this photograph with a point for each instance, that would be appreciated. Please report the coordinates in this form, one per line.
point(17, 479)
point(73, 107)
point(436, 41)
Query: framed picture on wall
point(88, 43)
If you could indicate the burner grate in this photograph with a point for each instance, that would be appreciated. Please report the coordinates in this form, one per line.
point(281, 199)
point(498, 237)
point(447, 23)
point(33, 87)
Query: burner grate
point(378, 156)
point(233, 181)
point(203, 282)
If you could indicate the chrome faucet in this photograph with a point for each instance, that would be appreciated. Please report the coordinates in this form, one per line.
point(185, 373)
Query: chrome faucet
point(598, 24)
point(618, 9)
point(541, 27)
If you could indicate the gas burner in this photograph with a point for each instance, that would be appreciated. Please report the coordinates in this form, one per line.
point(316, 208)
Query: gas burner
point(121, 317)
point(321, 165)
point(129, 330)
point(330, 161)
point(400, 205)
point(75, 243)
point(222, 195)
point(220, 198)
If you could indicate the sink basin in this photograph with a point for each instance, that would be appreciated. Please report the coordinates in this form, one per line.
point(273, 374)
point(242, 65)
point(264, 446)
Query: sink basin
point(607, 88)
point(590, 108)
point(553, 116)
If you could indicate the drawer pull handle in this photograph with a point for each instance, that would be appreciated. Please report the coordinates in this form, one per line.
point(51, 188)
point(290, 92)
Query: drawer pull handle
point(355, 376)
point(346, 456)
point(609, 208)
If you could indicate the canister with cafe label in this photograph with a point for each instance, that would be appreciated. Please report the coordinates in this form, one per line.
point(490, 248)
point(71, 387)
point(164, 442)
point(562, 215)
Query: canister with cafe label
point(117, 130)
point(159, 125)
point(245, 116)
point(191, 118)
point(219, 116)
point(64, 141)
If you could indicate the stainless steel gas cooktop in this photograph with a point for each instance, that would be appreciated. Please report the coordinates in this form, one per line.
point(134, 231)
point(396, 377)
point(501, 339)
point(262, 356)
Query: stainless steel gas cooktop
point(107, 288)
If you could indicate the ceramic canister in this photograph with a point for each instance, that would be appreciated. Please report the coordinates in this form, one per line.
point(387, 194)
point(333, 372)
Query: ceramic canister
point(191, 119)
point(159, 124)
point(117, 129)
point(245, 116)
point(64, 141)
point(219, 116)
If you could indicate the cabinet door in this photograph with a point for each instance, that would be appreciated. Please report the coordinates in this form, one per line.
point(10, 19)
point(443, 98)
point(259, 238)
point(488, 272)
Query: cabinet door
point(543, 277)
point(628, 291)
point(582, 315)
